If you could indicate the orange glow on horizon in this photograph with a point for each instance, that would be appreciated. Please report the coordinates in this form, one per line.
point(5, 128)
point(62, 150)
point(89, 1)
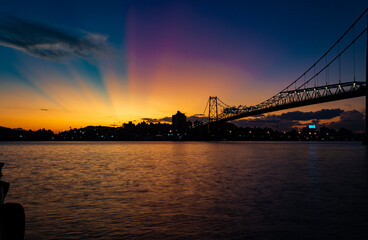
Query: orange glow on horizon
point(57, 101)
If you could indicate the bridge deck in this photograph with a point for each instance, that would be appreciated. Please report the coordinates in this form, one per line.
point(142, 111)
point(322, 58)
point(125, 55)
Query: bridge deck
point(299, 98)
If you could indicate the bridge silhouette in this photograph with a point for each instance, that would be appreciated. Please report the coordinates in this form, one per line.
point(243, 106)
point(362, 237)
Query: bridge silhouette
point(340, 73)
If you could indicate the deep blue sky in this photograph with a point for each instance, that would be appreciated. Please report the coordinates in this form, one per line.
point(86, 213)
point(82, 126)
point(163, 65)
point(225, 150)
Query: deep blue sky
point(150, 55)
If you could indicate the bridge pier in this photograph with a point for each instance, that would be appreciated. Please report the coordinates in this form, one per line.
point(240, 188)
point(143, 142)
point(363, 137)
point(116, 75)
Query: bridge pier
point(214, 132)
point(365, 138)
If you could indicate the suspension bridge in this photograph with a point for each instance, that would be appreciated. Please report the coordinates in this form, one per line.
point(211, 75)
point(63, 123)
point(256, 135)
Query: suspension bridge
point(340, 73)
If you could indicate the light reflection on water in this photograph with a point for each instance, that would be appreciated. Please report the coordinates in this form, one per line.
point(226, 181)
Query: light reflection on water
point(189, 190)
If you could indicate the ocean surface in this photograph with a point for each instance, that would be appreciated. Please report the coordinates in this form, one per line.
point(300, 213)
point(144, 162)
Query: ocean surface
point(189, 190)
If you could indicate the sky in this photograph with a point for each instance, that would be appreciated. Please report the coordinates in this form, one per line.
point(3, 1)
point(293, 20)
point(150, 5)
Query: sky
point(77, 63)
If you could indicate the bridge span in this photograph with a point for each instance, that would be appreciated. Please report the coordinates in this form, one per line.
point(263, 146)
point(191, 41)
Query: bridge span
point(340, 73)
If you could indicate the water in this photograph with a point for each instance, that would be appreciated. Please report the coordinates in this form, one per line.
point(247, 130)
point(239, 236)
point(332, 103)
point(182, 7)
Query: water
point(189, 190)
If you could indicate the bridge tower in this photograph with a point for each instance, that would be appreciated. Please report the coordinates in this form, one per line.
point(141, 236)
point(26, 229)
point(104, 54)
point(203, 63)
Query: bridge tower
point(212, 117)
point(365, 140)
point(212, 109)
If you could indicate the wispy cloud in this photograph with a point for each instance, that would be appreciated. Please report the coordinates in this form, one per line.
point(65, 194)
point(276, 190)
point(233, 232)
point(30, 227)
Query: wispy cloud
point(289, 120)
point(157, 120)
point(46, 41)
point(304, 116)
point(352, 120)
point(193, 118)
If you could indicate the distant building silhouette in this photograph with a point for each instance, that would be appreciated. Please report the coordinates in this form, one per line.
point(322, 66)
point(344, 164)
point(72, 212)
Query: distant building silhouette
point(164, 131)
point(128, 126)
point(179, 122)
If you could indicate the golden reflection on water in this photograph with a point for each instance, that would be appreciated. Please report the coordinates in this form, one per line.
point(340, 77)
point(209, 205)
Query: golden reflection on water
point(171, 190)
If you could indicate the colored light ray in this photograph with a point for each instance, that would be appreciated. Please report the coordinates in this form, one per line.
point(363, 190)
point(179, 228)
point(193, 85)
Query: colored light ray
point(163, 74)
point(171, 86)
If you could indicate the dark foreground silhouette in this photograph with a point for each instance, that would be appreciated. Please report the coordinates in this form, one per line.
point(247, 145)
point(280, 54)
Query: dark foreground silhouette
point(12, 217)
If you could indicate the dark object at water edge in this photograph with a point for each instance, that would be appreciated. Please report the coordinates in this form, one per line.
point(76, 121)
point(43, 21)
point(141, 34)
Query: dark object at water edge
point(12, 221)
point(12, 216)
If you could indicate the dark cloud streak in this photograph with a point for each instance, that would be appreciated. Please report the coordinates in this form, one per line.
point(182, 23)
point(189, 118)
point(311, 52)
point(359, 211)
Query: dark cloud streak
point(192, 118)
point(352, 120)
point(46, 41)
point(305, 116)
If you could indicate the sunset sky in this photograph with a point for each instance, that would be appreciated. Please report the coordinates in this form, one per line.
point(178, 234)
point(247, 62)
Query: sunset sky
point(78, 63)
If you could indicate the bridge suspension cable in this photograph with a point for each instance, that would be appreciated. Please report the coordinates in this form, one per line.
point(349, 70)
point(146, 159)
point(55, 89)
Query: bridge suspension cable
point(299, 92)
point(329, 50)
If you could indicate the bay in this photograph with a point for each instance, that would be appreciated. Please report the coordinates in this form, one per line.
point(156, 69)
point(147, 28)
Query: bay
point(189, 190)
